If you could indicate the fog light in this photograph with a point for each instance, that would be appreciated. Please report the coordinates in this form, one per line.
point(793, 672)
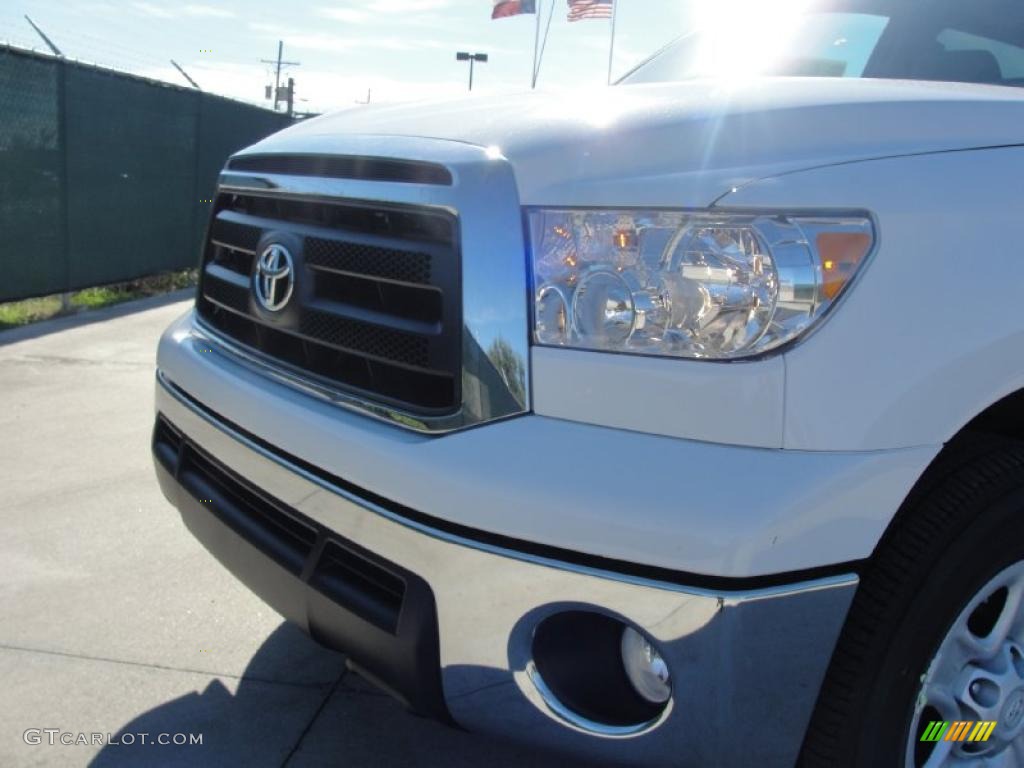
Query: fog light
point(579, 669)
point(645, 668)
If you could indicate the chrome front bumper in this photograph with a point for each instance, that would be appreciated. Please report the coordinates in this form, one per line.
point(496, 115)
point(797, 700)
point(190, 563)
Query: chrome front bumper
point(746, 666)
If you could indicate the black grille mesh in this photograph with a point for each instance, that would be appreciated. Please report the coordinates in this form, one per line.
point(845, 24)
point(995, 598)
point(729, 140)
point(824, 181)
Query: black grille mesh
point(369, 260)
point(363, 337)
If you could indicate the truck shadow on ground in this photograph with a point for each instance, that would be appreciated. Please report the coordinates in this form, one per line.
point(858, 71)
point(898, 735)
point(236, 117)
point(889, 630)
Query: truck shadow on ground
point(269, 721)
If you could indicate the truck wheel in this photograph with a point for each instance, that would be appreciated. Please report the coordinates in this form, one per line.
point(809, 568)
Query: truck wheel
point(936, 629)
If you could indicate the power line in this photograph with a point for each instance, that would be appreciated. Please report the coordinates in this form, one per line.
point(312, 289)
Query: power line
point(98, 49)
point(88, 49)
point(21, 42)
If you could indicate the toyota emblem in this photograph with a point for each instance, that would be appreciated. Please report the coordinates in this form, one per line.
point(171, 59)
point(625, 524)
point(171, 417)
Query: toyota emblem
point(275, 278)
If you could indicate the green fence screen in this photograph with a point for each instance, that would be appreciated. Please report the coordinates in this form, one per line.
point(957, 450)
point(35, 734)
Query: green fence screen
point(104, 176)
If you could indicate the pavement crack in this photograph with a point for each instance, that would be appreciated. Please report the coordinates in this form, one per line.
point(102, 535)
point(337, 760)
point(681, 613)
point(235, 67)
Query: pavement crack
point(165, 667)
point(313, 719)
point(487, 687)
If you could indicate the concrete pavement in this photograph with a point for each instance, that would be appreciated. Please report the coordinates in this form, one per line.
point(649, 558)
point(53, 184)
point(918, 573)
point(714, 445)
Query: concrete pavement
point(114, 620)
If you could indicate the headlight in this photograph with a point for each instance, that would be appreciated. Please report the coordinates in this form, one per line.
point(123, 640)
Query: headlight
point(700, 285)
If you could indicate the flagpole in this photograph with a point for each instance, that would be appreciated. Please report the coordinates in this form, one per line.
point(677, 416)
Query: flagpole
point(544, 42)
point(536, 43)
point(611, 45)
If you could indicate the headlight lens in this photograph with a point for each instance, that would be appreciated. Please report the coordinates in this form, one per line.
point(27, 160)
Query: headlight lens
point(707, 285)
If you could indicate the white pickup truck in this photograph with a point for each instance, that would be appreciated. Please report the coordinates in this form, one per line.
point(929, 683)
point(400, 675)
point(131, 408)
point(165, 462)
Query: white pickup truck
point(674, 423)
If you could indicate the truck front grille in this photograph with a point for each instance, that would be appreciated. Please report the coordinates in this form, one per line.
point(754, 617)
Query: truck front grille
point(375, 307)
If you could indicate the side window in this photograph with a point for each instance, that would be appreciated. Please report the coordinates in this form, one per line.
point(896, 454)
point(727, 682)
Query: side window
point(1008, 58)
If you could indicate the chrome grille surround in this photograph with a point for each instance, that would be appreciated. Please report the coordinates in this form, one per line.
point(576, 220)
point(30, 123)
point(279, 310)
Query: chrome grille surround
point(482, 198)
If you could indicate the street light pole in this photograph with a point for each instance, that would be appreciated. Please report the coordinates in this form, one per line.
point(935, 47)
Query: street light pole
point(472, 58)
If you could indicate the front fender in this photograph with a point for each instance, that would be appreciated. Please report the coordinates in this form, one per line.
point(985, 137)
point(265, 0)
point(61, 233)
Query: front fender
point(931, 333)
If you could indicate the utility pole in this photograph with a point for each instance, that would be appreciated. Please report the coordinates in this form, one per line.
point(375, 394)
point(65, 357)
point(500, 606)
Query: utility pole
point(472, 59)
point(291, 95)
point(48, 41)
point(279, 63)
point(185, 75)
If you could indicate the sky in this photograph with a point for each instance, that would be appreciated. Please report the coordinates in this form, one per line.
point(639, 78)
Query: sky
point(397, 50)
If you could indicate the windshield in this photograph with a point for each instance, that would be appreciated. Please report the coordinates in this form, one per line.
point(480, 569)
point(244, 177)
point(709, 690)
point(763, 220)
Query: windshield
point(971, 41)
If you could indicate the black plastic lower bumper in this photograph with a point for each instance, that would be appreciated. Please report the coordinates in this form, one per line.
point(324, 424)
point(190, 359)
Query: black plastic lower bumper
point(378, 613)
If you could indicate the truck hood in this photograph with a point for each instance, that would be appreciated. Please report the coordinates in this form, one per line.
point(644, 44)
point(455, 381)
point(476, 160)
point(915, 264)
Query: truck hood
point(690, 143)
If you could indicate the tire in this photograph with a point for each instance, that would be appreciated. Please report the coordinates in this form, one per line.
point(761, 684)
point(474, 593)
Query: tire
point(961, 526)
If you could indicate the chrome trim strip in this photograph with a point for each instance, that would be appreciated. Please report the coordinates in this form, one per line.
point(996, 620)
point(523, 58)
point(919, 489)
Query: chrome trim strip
point(484, 197)
point(578, 722)
point(264, 366)
point(728, 652)
point(238, 248)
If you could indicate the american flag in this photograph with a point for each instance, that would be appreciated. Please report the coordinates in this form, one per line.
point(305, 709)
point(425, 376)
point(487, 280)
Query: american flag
point(589, 9)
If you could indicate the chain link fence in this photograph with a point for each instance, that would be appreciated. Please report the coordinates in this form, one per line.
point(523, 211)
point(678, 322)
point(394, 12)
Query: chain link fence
point(106, 177)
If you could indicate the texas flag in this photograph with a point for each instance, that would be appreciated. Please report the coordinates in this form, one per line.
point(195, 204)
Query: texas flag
point(503, 8)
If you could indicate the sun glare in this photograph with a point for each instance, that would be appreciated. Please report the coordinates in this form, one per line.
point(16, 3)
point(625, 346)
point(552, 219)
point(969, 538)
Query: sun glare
point(744, 38)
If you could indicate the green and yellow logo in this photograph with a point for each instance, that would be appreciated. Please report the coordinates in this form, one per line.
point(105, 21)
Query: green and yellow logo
point(958, 731)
